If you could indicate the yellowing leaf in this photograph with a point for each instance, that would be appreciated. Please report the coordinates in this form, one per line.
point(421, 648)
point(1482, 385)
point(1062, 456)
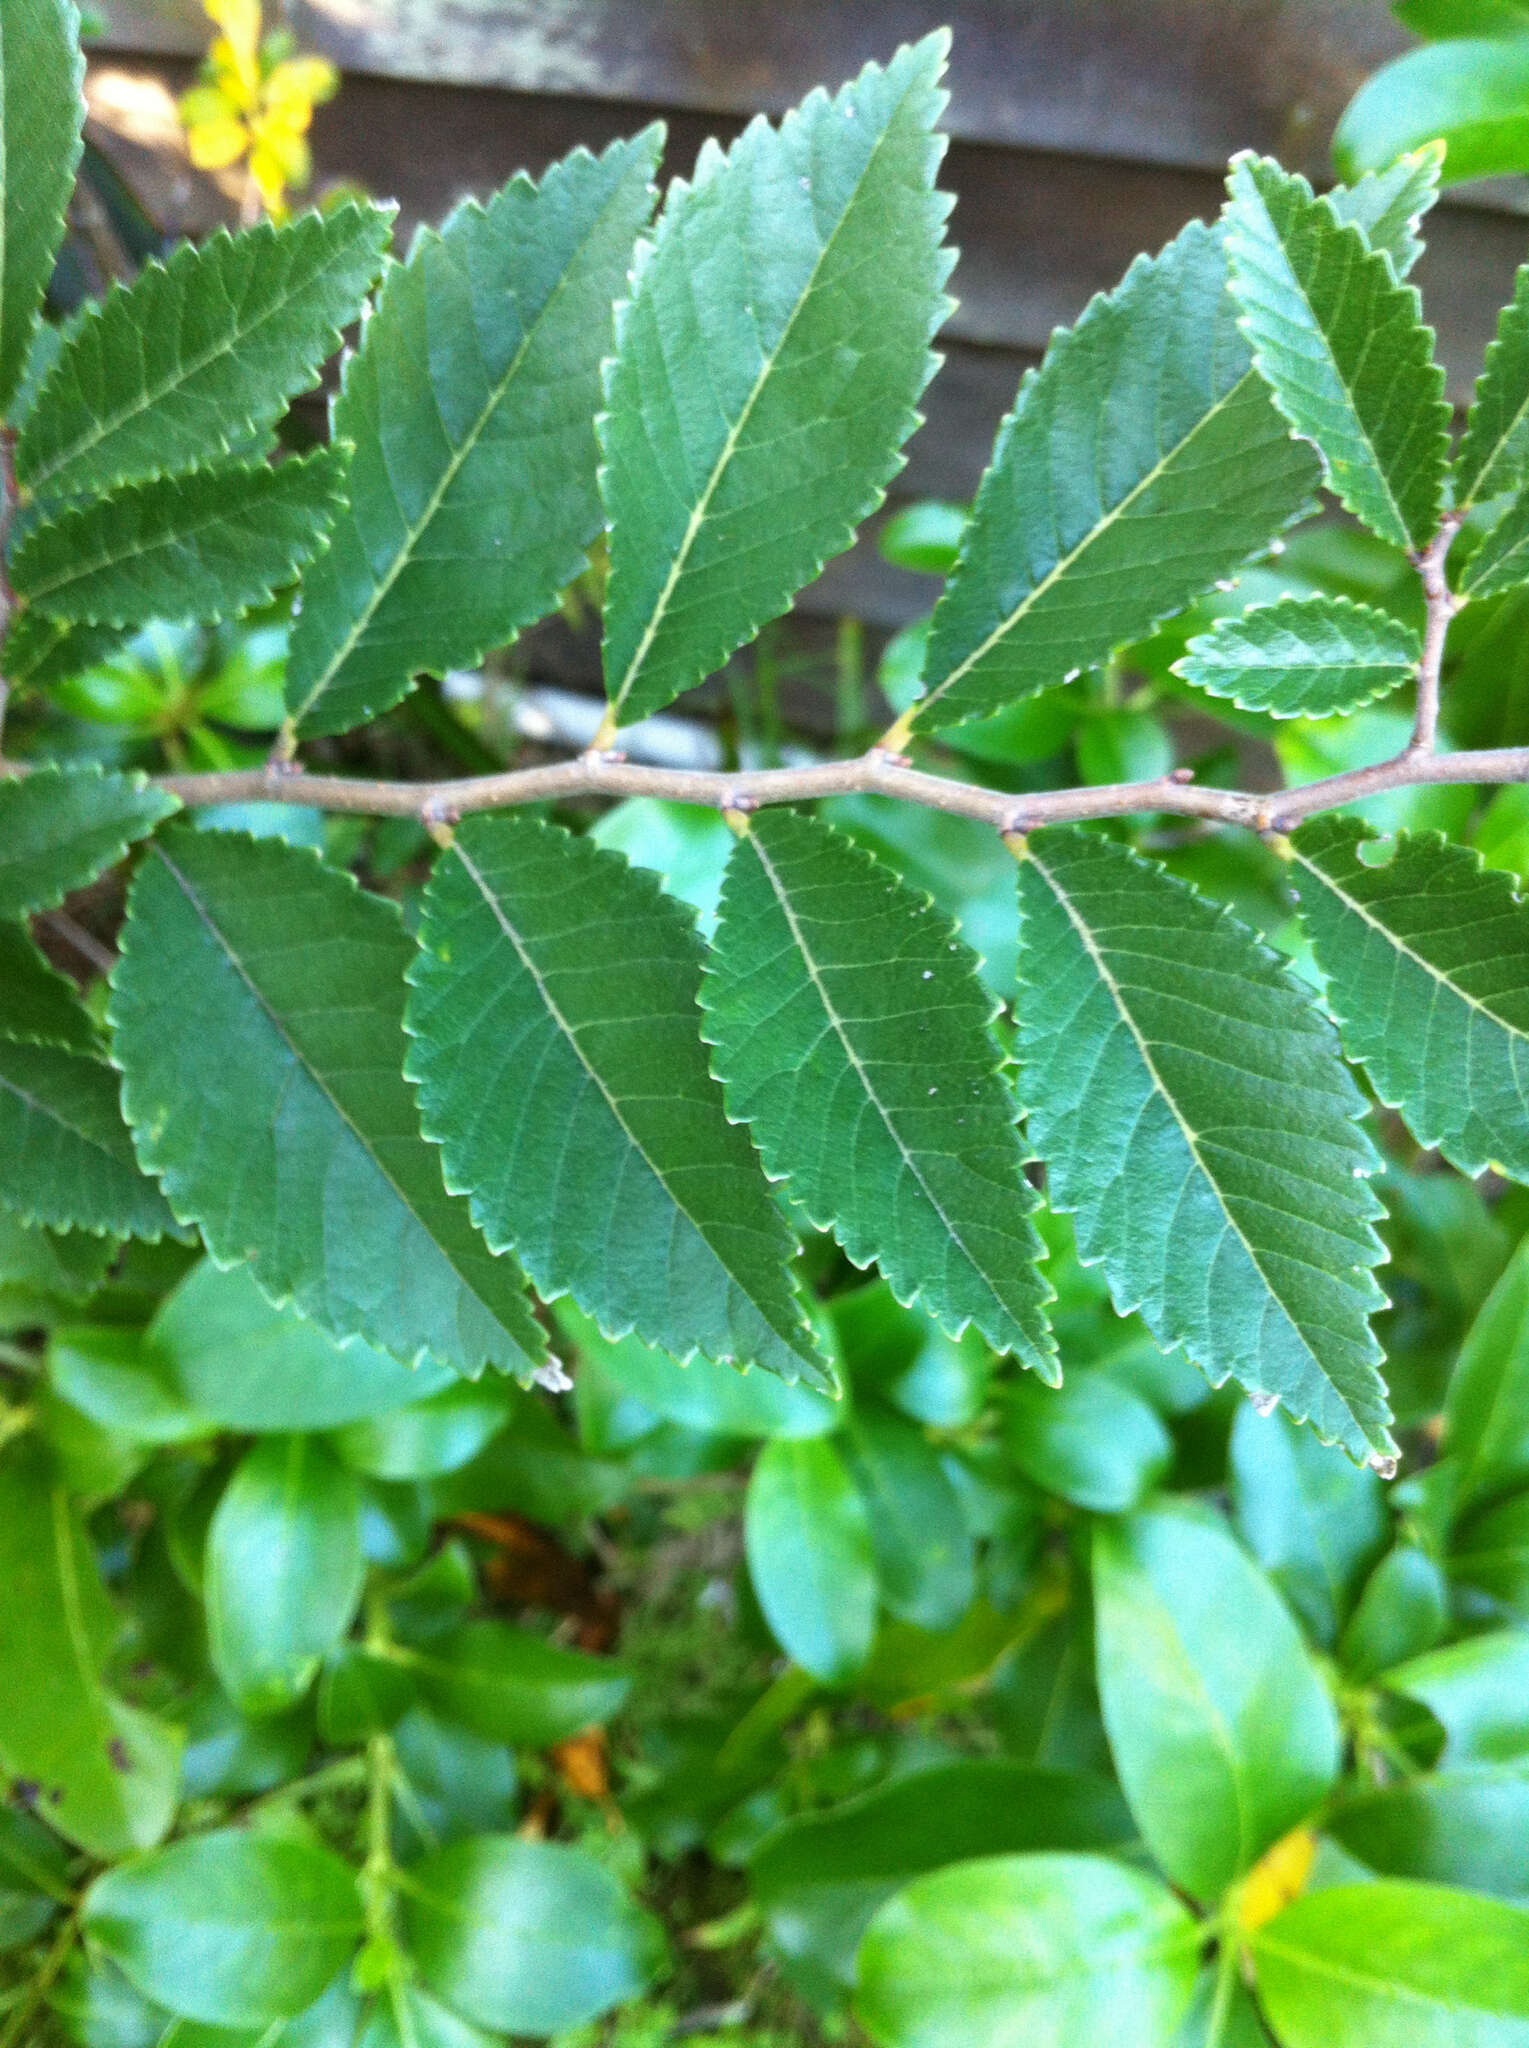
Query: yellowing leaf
point(1279, 1877)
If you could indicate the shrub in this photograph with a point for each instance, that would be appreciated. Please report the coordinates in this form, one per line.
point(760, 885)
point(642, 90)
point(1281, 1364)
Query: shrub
point(371, 1236)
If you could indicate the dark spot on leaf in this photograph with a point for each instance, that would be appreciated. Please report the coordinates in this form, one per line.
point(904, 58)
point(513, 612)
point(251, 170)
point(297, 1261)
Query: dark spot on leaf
point(116, 1749)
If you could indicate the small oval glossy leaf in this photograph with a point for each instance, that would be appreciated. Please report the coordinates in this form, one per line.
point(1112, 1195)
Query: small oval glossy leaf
point(1048, 1951)
point(716, 1399)
point(243, 1364)
point(1384, 1962)
point(821, 1876)
point(528, 1937)
point(1401, 1613)
point(919, 1533)
point(283, 1571)
point(1091, 1440)
point(811, 1559)
point(1478, 1691)
point(1467, 1827)
point(428, 1437)
point(233, 1928)
point(511, 1686)
point(1471, 91)
point(1314, 1520)
point(1222, 1732)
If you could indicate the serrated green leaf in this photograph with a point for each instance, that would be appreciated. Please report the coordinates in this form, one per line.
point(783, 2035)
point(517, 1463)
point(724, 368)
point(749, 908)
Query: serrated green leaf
point(1502, 558)
point(851, 1034)
point(1196, 1119)
point(103, 1773)
point(471, 406)
point(59, 827)
point(1343, 347)
point(257, 1012)
point(41, 109)
point(283, 1571)
point(1494, 455)
point(767, 369)
point(1426, 959)
point(1303, 657)
point(1389, 203)
point(38, 652)
point(35, 1001)
point(201, 545)
point(199, 354)
point(617, 1177)
point(51, 1265)
point(1141, 462)
point(66, 1158)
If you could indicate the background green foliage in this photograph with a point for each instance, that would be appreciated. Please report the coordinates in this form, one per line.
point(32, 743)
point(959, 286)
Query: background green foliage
point(417, 1629)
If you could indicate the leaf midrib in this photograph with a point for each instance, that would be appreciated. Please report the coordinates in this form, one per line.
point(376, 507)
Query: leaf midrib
point(1346, 229)
point(1517, 417)
point(837, 1024)
point(1193, 1687)
point(1436, 974)
point(324, 1089)
point(1063, 567)
point(111, 423)
point(522, 953)
point(50, 1111)
point(1346, 1973)
point(82, 569)
point(414, 533)
point(1191, 1138)
point(735, 433)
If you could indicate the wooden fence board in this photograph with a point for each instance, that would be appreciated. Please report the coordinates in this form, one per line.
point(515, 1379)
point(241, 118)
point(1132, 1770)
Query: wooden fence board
point(1159, 81)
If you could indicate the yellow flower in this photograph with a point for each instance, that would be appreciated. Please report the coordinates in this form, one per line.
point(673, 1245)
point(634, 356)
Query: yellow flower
point(255, 102)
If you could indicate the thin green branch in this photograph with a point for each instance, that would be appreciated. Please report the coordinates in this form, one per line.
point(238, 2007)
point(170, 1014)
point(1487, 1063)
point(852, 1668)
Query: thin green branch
point(16, 2032)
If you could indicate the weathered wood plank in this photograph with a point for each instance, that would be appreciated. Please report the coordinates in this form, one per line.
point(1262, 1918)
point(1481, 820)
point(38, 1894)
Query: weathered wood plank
point(1039, 232)
point(1161, 81)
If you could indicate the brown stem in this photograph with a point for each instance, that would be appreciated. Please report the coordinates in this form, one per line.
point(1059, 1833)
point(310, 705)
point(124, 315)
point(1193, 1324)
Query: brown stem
point(879, 772)
point(1440, 604)
point(875, 773)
